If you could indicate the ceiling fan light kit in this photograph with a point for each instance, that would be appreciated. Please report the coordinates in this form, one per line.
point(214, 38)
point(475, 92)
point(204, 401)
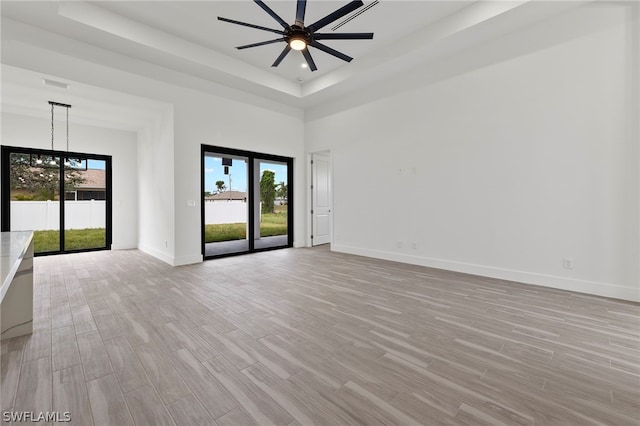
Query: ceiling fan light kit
point(300, 37)
point(298, 44)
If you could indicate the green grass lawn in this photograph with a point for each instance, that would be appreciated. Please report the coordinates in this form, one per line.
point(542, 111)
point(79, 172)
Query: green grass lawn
point(272, 224)
point(75, 239)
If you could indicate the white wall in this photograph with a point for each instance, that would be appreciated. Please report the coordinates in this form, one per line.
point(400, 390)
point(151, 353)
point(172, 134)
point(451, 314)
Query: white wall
point(24, 131)
point(156, 187)
point(169, 148)
point(201, 118)
point(502, 170)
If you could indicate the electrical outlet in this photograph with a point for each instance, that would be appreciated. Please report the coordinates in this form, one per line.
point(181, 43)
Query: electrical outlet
point(414, 245)
point(567, 263)
point(399, 244)
point(166, 244)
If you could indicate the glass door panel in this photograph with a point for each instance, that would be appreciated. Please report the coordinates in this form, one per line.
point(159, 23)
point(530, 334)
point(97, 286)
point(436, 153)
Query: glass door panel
point(63, 197)
point(85, 206)
point(225, 204)
point(273, 208)
point(35, 198)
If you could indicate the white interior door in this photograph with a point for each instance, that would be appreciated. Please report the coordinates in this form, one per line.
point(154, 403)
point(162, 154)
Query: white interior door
point(321, 195)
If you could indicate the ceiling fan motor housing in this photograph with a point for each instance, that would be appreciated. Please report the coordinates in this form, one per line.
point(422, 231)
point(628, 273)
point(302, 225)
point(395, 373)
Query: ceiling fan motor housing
point(300, 37)
point(296, 32)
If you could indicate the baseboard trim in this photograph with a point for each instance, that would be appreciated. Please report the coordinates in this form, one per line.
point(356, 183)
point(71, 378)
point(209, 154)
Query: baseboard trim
point(187, 260)
point(562, 283)
point(173, 261)
point(156, 253)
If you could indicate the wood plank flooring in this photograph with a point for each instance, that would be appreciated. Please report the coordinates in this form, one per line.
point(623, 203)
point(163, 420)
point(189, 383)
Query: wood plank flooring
point(307, 336)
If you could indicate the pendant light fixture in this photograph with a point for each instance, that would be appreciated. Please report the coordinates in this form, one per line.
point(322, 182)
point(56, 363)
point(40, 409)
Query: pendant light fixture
point(66, 160)
point(67, 106)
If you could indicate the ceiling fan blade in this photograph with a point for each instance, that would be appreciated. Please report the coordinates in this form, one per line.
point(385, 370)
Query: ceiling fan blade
point(272, 13)
point(343, 36)
point(262, 43)
point(331, 51)
point(309, 59)
point(300, 9)
point(257, 27)
point(282, 55)
point(344, 10)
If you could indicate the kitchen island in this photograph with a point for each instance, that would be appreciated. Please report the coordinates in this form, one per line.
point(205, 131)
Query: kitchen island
point(16, 277)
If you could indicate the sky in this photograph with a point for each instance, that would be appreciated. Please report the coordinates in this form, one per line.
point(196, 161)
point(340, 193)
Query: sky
point(93, 164)
point(214, 171)
point(96, 164)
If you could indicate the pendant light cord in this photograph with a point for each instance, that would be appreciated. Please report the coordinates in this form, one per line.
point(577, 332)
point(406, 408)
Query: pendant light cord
point(54, 104)
point(67, 129)
point(51, 127)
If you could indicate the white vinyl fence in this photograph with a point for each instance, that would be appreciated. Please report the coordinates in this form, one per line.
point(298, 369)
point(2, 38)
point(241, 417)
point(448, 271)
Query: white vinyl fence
point(217, 212)
point(45, 215)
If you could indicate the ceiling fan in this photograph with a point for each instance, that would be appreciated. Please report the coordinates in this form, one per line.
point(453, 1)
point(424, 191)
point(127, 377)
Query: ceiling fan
point(300, 37)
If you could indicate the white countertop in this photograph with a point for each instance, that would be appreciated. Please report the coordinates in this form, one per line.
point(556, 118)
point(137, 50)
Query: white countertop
point(13, 246)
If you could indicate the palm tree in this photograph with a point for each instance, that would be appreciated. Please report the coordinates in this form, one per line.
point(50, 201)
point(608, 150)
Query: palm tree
point(221, 186)
point(282, 191)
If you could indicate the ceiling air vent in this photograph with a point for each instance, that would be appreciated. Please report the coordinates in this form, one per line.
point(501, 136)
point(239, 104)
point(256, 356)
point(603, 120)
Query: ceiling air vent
point(55, 83)
point(355, 15)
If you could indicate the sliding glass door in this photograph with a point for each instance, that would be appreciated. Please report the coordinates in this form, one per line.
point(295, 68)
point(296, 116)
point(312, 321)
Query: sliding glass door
point(35, 197)
point(246, 201)
point(273, 210)
point(63, 197)
point(225, 200)
point(85, 205)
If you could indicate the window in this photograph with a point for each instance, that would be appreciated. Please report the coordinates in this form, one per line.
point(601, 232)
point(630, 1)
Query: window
point(32, 181)
point(246, 201)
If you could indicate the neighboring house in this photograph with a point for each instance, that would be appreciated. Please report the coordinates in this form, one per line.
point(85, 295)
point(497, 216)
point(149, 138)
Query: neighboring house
point(227, 196)
point(93, 186)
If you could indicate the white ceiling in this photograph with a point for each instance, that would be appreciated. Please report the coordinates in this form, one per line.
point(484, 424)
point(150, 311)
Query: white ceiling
point(186, 36)
point(204, 29)
point(24, 93)
point(196, 22)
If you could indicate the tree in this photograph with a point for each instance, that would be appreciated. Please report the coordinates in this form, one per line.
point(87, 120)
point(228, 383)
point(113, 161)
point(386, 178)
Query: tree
point(40, 182)
point(282, 192)
point(267, 191)
point(220, 185)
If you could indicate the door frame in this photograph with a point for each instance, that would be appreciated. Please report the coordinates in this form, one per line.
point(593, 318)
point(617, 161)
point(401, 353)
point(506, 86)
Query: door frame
point(326, 153)
point(252, 157)
point(5, 192)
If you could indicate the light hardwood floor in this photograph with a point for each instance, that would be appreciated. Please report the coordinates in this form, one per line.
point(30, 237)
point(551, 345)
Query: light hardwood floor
point(306, 336)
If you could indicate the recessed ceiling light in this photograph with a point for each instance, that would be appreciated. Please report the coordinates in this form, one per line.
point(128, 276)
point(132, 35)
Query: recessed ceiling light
point(304, 65)
point(299, 79)
point(55, 83)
